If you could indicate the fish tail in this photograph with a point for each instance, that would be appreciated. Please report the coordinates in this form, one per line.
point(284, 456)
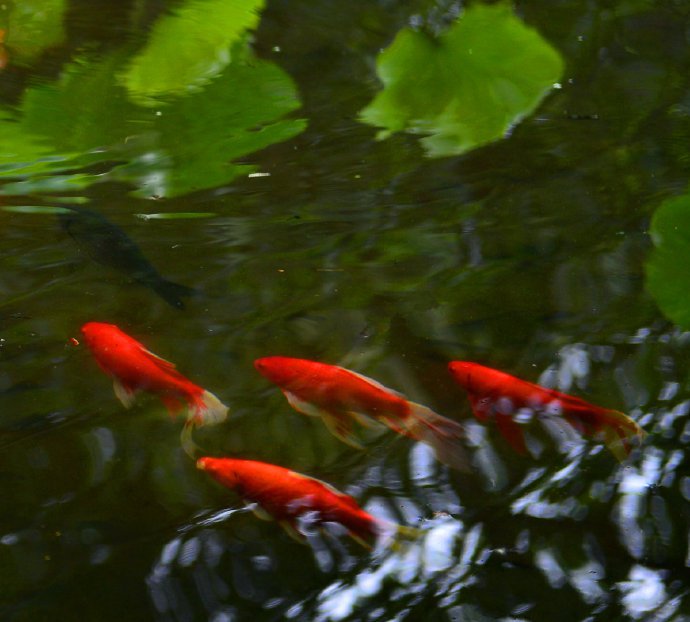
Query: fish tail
point(621, 433)
point(443, 435)
point(395, 536)
point(187, 442)
point(208, 410)
point(172, 293)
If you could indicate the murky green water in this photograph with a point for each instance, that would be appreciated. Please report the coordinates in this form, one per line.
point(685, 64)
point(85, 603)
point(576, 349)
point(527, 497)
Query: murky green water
point(240, 165)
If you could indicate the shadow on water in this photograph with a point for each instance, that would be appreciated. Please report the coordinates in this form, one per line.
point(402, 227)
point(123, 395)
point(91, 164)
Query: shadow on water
point(110, 246)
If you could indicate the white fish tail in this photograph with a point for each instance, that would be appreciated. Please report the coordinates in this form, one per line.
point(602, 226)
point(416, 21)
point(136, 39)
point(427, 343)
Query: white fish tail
point(188, 444)
point(209, 410)
point(443, 435)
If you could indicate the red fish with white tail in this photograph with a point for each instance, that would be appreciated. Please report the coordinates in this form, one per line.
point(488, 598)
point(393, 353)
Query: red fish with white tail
point(339, 396)
point(495, 393)
point(286, 496)
point(133, 368)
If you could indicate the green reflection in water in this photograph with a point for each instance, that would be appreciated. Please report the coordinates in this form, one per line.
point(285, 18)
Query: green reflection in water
point(32, 26)
point(463, 89)
point(87, 120)
point(668, 279)
point(189, 47)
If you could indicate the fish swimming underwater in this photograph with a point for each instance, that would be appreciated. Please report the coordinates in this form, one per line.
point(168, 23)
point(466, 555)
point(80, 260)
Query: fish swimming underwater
point(286, 496)
point(133, 368)
point(108, 245)
point(339, 396)
point(495, 393)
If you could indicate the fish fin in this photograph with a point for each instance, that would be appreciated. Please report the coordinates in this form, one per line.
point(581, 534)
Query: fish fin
point(481, 407)
point(338, 493)
point(292, 531)
point(161, 362)
point(172, 403)
point(359, 540)
point(615, 443)
point(172, 293)
point(124, 394)
point(302, 406)
point(187, 442)
point(341, 426)
point(372, 382)
point(408, 533)
point(396, 536)
point(619, 433)
point(512, 432)
point(443, 435)
point(259, 511)
point(208, 410)
point(366, 421)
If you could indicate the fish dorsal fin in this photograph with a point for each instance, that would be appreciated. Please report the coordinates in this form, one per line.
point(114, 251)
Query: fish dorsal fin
point(341, 495)
point(161, 362)
point(373, 383)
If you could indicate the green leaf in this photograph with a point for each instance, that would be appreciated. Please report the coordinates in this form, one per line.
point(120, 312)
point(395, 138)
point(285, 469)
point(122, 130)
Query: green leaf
point(189, 47)
point(668, 277)
point(468, 86)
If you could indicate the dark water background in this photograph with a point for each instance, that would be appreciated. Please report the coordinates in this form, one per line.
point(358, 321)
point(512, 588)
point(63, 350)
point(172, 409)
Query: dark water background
point(527, 254)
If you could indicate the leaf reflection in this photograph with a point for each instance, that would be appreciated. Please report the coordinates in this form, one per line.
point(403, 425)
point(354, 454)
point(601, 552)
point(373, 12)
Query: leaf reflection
point(83, 129)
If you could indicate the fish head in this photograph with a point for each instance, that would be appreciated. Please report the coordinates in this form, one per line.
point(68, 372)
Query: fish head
point(463, 372)
point(94, 331)
point(221, 469)
point(280, 370)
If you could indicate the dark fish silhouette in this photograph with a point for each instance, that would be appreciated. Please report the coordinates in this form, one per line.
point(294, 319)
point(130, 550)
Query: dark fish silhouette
point(109, 245)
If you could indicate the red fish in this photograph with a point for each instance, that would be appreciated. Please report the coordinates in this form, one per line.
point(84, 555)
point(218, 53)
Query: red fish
point(492, 392)
point(339, 395)
point(133, 369)
point(286, 496)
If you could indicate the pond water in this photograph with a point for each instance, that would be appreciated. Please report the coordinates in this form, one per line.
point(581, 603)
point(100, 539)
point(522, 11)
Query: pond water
point(234, 149)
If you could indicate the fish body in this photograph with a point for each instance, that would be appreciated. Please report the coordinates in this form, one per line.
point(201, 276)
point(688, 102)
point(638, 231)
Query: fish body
point(286, 496)
point(494, 393)
point(108, 245)
point(134, 368)
point(340, 396)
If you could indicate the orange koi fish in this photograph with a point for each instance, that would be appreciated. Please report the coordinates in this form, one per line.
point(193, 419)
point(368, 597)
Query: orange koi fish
point(339, 395)
point(286, 496)
point(134, 368)
point(492, 392)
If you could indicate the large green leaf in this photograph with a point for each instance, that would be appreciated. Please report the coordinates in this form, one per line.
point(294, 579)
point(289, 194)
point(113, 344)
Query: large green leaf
point(668, 276)
point(466, 87)
point(189, 47)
